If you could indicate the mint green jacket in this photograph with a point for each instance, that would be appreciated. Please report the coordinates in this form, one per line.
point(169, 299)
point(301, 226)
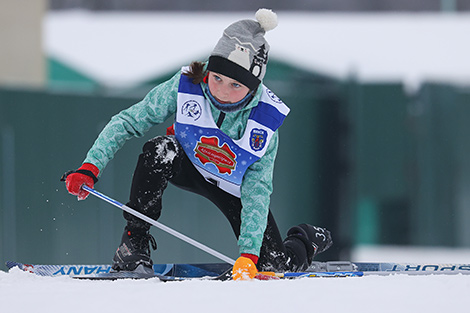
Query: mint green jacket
point(157, 106)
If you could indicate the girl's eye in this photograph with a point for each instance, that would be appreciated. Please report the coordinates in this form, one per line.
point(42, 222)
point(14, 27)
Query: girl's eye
point(236, 85)
point(217, 78)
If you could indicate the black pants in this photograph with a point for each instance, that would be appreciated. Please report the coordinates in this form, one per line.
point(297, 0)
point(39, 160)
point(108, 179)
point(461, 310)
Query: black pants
point(163, 160)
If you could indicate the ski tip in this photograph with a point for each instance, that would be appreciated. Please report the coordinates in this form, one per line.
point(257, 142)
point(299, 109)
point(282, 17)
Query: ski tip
point(11, 264)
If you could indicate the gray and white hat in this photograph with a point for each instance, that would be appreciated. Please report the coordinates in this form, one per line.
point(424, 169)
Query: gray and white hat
point(242, 52)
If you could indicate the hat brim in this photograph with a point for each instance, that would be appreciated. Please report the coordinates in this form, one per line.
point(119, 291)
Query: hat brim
point(230, 69)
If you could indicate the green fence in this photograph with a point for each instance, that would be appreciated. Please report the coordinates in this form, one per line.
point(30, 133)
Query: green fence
point(44, 133)
point(379, 157)
point(369, 161)
point(441, 171)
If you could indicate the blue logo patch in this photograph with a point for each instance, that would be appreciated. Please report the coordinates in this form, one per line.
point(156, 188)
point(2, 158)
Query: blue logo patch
point(191, 109)
point(258, 139)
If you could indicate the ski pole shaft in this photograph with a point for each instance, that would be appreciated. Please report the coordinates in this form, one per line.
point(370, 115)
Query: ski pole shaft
point(159, 225)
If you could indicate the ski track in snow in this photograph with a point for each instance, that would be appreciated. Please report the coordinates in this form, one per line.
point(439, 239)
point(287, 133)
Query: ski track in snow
point(24, 292)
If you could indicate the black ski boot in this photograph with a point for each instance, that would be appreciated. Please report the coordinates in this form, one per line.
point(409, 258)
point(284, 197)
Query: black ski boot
point(134, 250)
point(304, 242)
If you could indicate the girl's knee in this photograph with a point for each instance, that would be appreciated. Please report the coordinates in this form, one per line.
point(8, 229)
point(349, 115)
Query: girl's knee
point(161, 149)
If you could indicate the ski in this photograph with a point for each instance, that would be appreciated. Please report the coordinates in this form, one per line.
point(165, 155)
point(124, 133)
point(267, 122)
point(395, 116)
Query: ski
point(103, 270)
point(221, 271)
point(390, 267)
point(139, 273)
point(142, 272)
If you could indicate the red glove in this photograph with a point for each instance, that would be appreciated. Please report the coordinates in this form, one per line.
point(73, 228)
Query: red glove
point(85, 175)
point(244, 267)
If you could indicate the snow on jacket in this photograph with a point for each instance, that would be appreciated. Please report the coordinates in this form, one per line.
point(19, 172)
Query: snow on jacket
point(161, 103)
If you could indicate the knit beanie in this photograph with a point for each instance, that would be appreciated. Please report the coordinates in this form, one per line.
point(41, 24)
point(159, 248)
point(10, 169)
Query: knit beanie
point(242, 52)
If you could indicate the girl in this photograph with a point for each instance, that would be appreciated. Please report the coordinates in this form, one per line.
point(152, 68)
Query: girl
point(222, 146)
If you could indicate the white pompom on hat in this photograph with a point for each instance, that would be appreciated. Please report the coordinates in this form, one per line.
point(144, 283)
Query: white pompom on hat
point(242, 52)
point(266, 18)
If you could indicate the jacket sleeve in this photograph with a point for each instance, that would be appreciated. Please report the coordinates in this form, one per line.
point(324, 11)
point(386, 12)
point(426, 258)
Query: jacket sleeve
point(256, 190)
point(155, 108)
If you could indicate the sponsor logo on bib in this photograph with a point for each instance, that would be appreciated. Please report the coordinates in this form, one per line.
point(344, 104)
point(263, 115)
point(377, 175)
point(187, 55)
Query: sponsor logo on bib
point(208, 150)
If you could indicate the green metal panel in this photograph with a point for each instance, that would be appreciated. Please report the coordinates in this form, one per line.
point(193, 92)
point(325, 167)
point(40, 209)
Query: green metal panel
point(379, 162)
point(411, 172)
point(42, 136)
point(440, 198)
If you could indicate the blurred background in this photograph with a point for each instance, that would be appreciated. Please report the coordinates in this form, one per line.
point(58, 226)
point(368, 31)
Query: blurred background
point(375, 147)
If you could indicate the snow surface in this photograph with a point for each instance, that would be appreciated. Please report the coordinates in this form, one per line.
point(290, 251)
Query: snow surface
point(119, 49)
point(24, 292)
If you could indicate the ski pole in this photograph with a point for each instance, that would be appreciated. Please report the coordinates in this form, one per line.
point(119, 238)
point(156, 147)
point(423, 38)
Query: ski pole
point(159, 225)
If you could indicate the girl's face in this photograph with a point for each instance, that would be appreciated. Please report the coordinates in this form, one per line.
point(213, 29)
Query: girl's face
point(226, 90)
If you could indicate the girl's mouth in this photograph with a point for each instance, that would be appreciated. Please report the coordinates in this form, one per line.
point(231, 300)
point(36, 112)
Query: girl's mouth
point(221, 101)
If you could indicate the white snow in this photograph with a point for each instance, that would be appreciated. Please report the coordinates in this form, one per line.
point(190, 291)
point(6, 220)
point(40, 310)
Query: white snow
point(24, 292)
point(128, 48)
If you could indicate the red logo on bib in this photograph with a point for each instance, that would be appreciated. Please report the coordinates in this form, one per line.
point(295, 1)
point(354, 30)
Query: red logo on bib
point(208, 150)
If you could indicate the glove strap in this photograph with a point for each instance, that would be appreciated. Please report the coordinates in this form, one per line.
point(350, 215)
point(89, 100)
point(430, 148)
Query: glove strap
point(88, 173)
point(84, 172)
